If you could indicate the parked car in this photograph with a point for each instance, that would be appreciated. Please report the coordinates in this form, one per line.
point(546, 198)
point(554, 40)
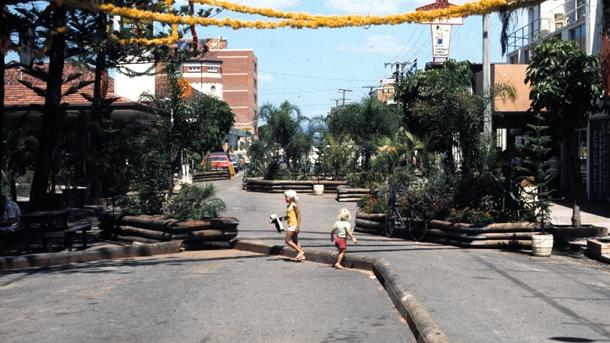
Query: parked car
point(219, 161)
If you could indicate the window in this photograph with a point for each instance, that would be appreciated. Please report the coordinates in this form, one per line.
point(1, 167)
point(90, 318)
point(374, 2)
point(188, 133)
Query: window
point(212, 70)
point(514, 59)
point(193, 69)
point(255, 98)
point(528, 54)
point(254, 82)
point(578, 34)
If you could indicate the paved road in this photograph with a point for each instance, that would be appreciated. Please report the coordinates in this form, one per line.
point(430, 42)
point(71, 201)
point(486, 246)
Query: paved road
point(474, 295)
point(209, 296)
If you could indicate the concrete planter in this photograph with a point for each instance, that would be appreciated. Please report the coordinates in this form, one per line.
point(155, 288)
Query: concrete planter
point(542, 244)
point(318, 189)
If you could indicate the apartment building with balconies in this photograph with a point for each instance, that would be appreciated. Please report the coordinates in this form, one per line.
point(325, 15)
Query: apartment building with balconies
point(573, 20)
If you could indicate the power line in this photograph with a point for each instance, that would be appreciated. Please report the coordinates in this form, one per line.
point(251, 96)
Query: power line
point(312, 77)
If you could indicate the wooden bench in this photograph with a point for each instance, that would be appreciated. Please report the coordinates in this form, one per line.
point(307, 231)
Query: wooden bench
point(75, 228)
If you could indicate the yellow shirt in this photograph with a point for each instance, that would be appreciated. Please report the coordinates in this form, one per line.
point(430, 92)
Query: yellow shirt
point(291, 216)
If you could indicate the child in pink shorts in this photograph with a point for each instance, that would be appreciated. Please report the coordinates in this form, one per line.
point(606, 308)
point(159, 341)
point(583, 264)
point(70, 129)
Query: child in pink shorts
point(342, 229)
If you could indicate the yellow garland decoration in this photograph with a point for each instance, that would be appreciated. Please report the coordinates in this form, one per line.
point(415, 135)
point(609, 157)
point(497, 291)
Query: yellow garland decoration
point(465, 10)
point(173, 38)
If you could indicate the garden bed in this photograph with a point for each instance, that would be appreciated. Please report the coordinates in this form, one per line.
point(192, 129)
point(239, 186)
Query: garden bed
point(349, 194)
point(153, 229)
point(498, 235)
point(213, 175)
point(279, 186)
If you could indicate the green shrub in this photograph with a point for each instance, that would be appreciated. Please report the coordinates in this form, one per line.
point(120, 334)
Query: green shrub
point(373, 204)
point(195, 202)
point(471, 215)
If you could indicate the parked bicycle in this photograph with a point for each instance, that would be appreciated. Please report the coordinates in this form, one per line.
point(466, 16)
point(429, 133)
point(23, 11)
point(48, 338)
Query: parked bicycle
point(414, 221)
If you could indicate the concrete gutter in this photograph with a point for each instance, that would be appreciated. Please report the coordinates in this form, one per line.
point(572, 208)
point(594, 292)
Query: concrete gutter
point(68, 257)
point(420, 322)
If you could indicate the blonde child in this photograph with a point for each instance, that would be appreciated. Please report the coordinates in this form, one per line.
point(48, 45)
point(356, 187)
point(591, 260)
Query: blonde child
point(342, 229)
point(293, 217)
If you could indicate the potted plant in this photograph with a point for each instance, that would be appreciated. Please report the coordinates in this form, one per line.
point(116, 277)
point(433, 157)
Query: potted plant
point(536, 185)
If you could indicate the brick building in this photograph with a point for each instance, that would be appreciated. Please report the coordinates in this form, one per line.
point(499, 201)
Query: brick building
point(229, 74)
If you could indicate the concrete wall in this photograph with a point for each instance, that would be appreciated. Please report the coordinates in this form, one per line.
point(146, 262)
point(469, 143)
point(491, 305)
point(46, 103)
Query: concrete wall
point(513, 74)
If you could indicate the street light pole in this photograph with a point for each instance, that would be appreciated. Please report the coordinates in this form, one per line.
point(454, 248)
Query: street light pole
point(487, 116)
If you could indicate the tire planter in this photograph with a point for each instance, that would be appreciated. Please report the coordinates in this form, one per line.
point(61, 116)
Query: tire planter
point(542, 244)
point(280, 186)
point(152, 229)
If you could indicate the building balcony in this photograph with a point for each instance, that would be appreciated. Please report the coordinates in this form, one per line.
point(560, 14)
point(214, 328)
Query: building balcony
point(546, 22)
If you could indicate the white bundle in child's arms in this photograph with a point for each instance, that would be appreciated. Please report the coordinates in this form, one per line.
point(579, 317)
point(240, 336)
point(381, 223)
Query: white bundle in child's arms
point(274, 219)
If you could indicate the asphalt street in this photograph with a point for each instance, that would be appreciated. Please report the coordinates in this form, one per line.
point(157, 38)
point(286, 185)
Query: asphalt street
point(206, 296)
point(474, 295)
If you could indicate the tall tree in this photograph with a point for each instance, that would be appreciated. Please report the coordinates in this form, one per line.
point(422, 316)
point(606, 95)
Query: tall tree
point(185, 124)
point(439, 106)
point(566, 88)
point(367, 123)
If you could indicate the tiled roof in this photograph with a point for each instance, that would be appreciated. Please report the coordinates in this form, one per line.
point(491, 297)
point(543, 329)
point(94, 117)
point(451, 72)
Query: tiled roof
point(18, 95)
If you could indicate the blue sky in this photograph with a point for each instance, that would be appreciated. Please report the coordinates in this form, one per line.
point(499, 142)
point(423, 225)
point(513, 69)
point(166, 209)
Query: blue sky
point(306, 67)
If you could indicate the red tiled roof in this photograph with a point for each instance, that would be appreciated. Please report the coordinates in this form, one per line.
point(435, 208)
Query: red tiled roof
point(18, 95)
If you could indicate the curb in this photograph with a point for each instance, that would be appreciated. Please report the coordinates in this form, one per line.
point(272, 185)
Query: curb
point(419, 320)
point(64, 258)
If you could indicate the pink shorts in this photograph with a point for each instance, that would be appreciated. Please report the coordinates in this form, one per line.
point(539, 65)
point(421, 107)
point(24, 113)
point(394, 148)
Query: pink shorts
point(341, 243)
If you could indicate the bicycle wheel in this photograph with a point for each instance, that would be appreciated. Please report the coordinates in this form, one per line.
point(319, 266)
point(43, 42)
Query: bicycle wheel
point(390, 224)
point(418, 226)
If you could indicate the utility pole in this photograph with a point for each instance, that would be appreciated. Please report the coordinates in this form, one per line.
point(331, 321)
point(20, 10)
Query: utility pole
point(487, 116)
point(400, 66)
point(343, 91)
point(371, 89)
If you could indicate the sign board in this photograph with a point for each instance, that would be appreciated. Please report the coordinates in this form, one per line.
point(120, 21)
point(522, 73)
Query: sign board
point(599, 154)
point(441, 31)
point(441, 42)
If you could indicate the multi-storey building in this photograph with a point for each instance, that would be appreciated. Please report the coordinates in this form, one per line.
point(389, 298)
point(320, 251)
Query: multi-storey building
point(573, 20)
point(229, 74)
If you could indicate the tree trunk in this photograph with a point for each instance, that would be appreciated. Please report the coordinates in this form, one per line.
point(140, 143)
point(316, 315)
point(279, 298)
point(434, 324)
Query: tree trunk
point(13, 185)
point(51, 112)
point(97, 113)
point(175, 164)
point(575, 191)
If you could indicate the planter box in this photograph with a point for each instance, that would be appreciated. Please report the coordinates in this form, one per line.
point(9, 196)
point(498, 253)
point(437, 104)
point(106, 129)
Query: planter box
point(213, 175)
point(566, 233)
point(598, 247)
point(280, 186)
point(497, 235)
point(147, 229)
point(348, 194)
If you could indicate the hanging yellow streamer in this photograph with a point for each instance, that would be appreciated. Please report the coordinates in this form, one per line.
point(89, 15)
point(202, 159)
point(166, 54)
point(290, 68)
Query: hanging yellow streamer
point(314, 22)
point(289, 19)
point(173, 38)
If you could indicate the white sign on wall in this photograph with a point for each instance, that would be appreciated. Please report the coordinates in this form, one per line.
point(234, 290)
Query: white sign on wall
point(441, 39)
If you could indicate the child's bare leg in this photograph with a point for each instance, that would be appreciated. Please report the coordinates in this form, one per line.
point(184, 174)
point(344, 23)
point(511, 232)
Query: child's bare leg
point(290, 243)
point(340, 256)
point(295, 239)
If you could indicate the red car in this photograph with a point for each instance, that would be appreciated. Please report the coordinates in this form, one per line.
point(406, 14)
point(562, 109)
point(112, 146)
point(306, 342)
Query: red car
point(218, 160)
